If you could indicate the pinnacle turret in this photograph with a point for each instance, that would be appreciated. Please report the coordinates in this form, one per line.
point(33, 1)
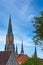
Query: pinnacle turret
point(22, 50)
point(16, 50)
point(35, 53)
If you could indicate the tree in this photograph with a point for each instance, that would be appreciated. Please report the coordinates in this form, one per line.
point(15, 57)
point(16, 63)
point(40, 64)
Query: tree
point(31, 61)
point(38, 29)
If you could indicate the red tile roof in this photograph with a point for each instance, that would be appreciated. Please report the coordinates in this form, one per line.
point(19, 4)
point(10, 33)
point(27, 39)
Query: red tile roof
point(21, 58)
point(4, 56)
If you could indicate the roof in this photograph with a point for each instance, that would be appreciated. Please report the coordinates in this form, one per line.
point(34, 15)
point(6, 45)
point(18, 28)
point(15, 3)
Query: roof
point(21, 58)
point(4, 56)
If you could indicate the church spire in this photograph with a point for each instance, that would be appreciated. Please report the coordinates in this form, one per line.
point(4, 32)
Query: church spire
point(35, 53)
point(22, 50)
point(9, 27)
point(9, 38)
point(16, 50)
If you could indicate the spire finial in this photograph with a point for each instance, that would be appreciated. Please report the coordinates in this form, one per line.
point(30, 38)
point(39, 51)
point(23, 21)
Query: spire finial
point(10, 17)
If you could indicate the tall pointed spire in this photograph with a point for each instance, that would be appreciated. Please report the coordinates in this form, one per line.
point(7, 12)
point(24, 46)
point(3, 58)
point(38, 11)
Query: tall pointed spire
point(22, 50)
point(9, 38)
point(35, 53)
point(16, 50)
point(9, 27)
point(35, 56)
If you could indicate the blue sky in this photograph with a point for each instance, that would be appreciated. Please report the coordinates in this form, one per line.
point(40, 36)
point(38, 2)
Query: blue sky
point(22, 13)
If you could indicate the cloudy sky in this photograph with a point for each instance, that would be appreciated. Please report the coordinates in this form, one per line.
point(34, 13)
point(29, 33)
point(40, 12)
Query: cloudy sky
point(22, 13)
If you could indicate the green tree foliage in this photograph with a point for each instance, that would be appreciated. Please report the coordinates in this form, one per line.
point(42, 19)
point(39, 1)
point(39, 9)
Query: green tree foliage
point(38, 28)
point(32, 61)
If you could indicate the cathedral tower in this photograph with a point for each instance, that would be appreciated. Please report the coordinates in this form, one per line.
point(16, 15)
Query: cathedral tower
point(9, 38)
point(22, 50)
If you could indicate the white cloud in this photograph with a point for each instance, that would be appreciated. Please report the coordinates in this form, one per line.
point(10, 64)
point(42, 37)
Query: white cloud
point(2, 39)
point(30, 17)
point(17, 41)
point(26, 42)
point(24, 9)
point(2, 36)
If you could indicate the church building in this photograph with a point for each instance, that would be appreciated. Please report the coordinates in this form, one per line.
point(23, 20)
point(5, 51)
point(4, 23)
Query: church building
point(10, 56)
point(10, 46)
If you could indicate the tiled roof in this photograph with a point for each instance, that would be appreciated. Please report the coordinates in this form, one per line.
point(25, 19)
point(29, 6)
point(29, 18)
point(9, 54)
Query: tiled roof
point(4, 56)
point(21, 58)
